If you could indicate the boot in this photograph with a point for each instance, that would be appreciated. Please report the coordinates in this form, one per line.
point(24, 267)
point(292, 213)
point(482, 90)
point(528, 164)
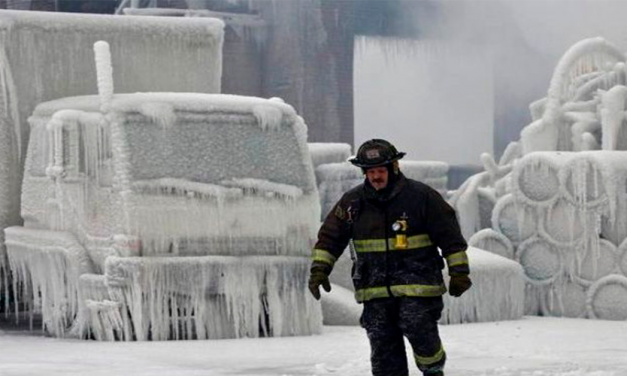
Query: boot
point(436, 373)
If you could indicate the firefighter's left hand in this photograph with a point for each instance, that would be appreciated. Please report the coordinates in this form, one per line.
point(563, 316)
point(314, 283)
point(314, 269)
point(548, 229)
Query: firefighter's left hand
point(318, 277)
point(459, 284)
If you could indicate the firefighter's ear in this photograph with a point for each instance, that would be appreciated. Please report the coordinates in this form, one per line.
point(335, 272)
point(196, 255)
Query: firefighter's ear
point(396, 167)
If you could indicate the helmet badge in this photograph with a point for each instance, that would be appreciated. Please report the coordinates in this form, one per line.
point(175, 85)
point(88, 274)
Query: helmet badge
point(372, 154)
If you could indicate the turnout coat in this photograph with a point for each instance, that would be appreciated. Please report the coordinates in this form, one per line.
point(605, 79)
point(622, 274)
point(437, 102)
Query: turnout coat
point(394, 261)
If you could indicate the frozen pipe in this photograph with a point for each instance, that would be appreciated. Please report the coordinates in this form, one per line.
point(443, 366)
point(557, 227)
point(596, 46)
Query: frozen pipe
point(589, 142)
point(622, 257)
point(486, 200)
point(516, 220)
point(503, 186)
point(565, 224)
point(580, 59)
point(594, 261)
point(104, 72)
point(467, 203)
point(512, 151)
point(612, 110)
point(607, 298)
point(583, 181)
point(566, 299)
point(604, 82)
point(535, 178)
point(536, 108)
point(614, 228)
point(492, 241)
point(540, 260)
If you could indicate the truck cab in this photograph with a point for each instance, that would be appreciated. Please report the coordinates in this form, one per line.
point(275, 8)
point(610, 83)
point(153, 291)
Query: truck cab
point(194, 193)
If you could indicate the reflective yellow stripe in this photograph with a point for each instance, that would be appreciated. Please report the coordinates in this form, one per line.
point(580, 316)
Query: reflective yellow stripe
point(323, 256)
point(371, 245)
point(418, 290)
point(459, 258)
point(428, 360)
point(378, 245)
point(362, 295)
point(370, 293)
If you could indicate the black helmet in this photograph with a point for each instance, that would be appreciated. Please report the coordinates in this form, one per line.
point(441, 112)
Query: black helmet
point(376, 153)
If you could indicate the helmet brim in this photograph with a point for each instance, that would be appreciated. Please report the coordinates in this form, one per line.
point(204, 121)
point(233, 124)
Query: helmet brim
point(356, 162)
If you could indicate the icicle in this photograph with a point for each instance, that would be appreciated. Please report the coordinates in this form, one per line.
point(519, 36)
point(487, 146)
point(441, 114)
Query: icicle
point(229, 297)
point(268, 118)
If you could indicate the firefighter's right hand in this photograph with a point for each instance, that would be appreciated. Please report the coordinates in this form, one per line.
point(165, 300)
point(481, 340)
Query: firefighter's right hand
point(318, 277)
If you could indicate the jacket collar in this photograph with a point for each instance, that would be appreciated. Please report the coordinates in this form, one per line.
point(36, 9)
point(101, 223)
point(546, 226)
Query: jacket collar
point(386, 194)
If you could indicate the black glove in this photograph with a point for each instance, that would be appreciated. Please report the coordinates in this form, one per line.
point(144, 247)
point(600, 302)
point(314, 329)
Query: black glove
point(459, 284)
point(318, 277)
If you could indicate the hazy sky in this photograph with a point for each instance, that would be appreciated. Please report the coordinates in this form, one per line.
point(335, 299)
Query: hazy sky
point(437, 101)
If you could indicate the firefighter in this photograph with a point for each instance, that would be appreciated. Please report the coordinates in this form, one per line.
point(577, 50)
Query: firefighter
point(395, 226)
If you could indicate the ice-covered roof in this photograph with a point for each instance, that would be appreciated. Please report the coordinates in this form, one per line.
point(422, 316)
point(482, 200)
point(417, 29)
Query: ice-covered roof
point(192, 102)
point(80, 22)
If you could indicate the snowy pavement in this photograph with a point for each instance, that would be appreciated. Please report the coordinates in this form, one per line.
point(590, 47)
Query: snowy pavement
point(533, 346)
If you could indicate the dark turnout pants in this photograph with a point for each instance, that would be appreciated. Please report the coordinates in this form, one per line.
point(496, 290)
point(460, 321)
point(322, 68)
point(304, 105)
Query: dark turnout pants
point(387, 320)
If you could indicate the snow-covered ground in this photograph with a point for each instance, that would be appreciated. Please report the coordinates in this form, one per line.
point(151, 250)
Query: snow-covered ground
point(533, 346)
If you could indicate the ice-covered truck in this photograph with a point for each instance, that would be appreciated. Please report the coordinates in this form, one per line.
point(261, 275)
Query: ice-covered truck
point(167, 215)
point(48, 55)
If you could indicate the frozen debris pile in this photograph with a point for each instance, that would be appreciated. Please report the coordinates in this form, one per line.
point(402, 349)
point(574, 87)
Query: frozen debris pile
point(48, 55)
point(559, 196)
point(498, 292)
point(496, 280)
point(328, 152)
point(198, 229)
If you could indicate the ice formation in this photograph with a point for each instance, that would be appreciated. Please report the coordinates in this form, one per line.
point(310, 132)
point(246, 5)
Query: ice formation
point(561, 192)
point(488, 300)
point(48, 55)
point(180, 216)
point(326, 152)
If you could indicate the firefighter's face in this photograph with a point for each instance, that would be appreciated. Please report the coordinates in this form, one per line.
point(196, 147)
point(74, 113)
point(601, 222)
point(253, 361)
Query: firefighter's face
point(378, 177)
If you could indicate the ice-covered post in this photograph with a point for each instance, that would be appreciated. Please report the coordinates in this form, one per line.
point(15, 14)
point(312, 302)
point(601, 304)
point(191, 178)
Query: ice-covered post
point(104, 72)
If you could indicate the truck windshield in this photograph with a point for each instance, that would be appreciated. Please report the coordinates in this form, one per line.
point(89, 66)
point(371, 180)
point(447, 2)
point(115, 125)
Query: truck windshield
point(213, 149)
